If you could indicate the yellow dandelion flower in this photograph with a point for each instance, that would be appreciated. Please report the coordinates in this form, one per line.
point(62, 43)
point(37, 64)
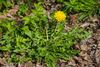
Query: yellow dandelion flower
point(60, 16)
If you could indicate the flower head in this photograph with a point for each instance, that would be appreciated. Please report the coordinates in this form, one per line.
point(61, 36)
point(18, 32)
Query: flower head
point(60, 16)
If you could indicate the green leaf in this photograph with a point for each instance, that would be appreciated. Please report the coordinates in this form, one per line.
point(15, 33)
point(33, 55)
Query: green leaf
point(27, 31)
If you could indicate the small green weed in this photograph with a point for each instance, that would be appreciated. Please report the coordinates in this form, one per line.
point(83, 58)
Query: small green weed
point(84, 8)
point(36, 39)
